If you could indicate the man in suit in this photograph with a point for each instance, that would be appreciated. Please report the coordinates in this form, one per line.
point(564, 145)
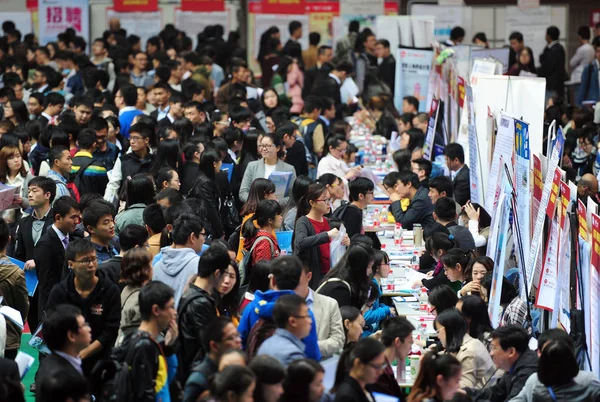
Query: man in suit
point(41, 192)
point(330, 86)
point(387, 68)
point(49, 254)
point(319, 71)
point(552, 62)
point(461, 184)
point(54, 104)
point(405, 184)
point(162, 93)
point(292, 47)
point(175, 111)
point(66, 334)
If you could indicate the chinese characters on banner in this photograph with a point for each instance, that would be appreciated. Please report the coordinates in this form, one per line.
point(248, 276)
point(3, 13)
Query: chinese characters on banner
point(135, 5)
point(277, 7)
point(57, 15)
point(594, 301)
point(412, 75)
point(203, 5)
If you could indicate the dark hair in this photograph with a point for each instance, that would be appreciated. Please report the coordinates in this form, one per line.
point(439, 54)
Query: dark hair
point(293, 26)
point(313, 193)
point(63, 385)
point(286, 271)
point(57, 323)
point(136, 267)
point(46, 184)
point(456, 256)
point(207, 161)
point(512, 336)
point(557, 364)
point(455, 151)
point(361, 238)
point(20, 111)
point(213, 331)
point(439, 241)
point(154, 292)
point(170, 194)
point(215, 258)
point(416, 138)
point(480, 36)
point(168, 154)
point(554, 334)
point(55, 153)
point(300, 374)
point(424, 164)
point(584, 32)
point(314, 38)
point(395, 327)
point(183, 226)
point(445, 209)
point(553, 32)
point(455, 326)
point(442, 184)
point(131, 236)
point(62, 206)
point(235, 379)
point(349, 313)
point(267, 370)
point(426, 384)
point(265, 211)
point(79, 247)
point(139, 190)
point(411, 100)
point(457, 33)
point(258, 190)
point(164, 174)
point(86, 139)
point(259, 278)
point(249, 146)
point(509, 292)
point(475, 312)
point(277, 142)
point(380, 257)
point(365, 350)
point(361, 185)
point(406, 176)
point(95, 211)
point(487, 262)
point(518, 36)
point(154, 218)
point(333, 141)
point(485, 220)
point(4, 234)
point(54, 99)
point(285, 307)
point(443, 297)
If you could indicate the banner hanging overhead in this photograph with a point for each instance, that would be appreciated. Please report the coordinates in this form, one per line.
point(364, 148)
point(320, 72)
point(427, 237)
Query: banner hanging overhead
point(361, 7)
point(203, 5)
point(55, 16)
point(135, 5)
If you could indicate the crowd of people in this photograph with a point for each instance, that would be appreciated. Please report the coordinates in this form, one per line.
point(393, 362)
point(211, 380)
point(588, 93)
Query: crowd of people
point(149, 212)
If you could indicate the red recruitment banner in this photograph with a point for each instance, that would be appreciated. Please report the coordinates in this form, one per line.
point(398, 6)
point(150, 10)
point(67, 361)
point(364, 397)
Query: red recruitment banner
point(278, 7)
point(595, 240)
point(31, 4)
point(391, 8)
point(581, 215)
point(553, 194)
point(594, 17)
point(565, 194)
point(135, 5)
point(461, 91)
point(203, 5)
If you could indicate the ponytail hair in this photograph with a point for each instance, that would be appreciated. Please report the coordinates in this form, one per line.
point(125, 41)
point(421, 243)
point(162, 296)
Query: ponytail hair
point(333, 140)
point(265, 211)
point(440, 241)
point(457, 256)
point(432, 365)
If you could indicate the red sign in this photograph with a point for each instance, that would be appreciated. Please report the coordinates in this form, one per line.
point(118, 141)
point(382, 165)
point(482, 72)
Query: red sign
point(565, 194)
point(203, 5)
point(553, 194)
point(594, 17)
point(582, 215)
point(278, 7)
point(31, 4)
point(135, 5)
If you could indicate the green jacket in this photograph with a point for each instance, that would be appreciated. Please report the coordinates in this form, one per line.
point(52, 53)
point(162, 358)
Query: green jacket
point(134, 214)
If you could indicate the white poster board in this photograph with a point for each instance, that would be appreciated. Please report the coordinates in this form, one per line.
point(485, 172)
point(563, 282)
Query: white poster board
point(55, 16)
point(406, 31)
point(194, 22)
point(446, 18)
point(532, 23)
point(144, 24)
point(22, 20)
point(362, 7)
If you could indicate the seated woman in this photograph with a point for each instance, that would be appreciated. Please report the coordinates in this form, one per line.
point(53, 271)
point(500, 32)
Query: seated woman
point(477, 365)
point(455, 263)
point(474, 274)
point(442, 298)
point(437, 246)
point(378, 311)
point(476, 218)
point(475, 312)
point(437, 380)
point(354, 322)
point(385, 123)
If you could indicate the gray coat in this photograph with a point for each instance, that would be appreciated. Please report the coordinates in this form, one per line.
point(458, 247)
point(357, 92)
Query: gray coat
point(306, 242)
point(256, 170)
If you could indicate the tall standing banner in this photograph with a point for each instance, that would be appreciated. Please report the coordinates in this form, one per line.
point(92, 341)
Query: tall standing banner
point(547, 287)
point(538, 185)
point(412, 75)
point(562, 299)
point(594, 301)
point(135, 5)
point(503, 150)
point(433, 116)
point(499, 258)
point(474, 162)
point(57, 15)
point(203, 5)
point(522, 179)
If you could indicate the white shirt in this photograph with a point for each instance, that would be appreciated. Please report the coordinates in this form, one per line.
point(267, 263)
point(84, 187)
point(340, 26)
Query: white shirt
point(61, 235)
point(233, 155)
point(269, 169)
point(329, 164)
point(583, 56)
point(335, 77)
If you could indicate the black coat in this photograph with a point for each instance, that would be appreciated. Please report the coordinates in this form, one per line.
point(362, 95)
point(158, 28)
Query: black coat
point(329, 88)
point(205, 189)
point(461, 186)
point(296, 156)
point(419, 211)
point(293, 49)
point(313, 76)
point(131, 165)
point(51, 366)
point(24, 246)
point(112, 269)
point(189, 175)
point(350, 391)
point(387, 72)
point(386, 125)
point(552, 67)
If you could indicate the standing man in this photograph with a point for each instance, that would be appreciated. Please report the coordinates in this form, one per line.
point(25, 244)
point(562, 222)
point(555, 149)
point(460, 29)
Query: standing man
point(319, 71)
point(309, 56)
point(60, 162)
point(139, 76)
point(516, 45)
point(105, 152)
point(102, 61)
point(83, 106)
point(161, 92)
point(194, 112)
point(175, 111)
point(292, 47)
point(461, 184)
point(589, 88)
point(125, 100)
point(584, 55)
point(387, 68)
point(239, 76)
point(552, 62)
point(88, 172)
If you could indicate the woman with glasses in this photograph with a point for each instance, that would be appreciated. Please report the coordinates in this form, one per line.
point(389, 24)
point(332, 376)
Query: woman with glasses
point(336, 187)
point(312, 233)
point(333, 162)
point(378, 311)
point(437, 246)
point(271, 149)
point(442, 298)
point(360, 365)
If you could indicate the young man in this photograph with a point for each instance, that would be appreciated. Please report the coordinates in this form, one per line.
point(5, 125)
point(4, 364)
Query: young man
point(461, 184)
point(239, 76)
point(142, 101)
point(131, 236)
point(53, 106)
point(444, 213)
point(309, 56)
point(589, 89)
point(105, 152)
point(60, 162)
point(138, 159)
point(291, 315)
point(154, 219)
point(552, 64)
point(292, 47)
point(66, 334)
point(410, 104)
point(162, 93)
point(102, 61)
point(510, 353)
point(420, 121)
point(405, 184)
point(148, 365)
point(14, 290)
point(125, 100)
point(422, 168)
point(83, 106)
point(457, 35)
point(194, 112)
point(95, 295)
point(285, 277)
point(516, 45)
point(176, 72)
point(89, 174)
point(439, 187)
point(241, 117)
point(139, 76)
point(387, 67)
point(219, 335)
point(175, 111)
point(180, 261)
point(98, 221)
point(360, 195)
point(318, 71)
point(198, 306)
point(295, 153)
point(49, 253)
point(584, 55)
point(330, 86)
point(35, 105)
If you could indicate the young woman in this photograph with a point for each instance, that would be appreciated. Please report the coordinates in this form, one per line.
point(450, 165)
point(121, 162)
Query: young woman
point(438, 379)
point(16, 111)
point(229, 292)
point(477, 365)
point(269, 99)
point(335, 186)
point(437, 246)
point(167, 178)
point(385, 122)
point(455, 263)
point(261, 241)
point(272, 151)
point(378, 311)
point(354, 322)
point(233, 384)
point(220, 121)
point(304, 382)
point(405, 122)
point(350, 155)
point(299, 190)
point(411, 139)
point(475, 312)
point(13, 173)
point(442, 298)
point(271, 59)
point(312, 233)
point(525, 62)
point(261, 189)
point(476, 218)
point(359, 366)
point(168, 155)
point(270, 375)
point(205, 189)
point(348, 282)
point(259, 280)
point(332, 162)
point(474, 274)
point(139, 193)
point(136, 271)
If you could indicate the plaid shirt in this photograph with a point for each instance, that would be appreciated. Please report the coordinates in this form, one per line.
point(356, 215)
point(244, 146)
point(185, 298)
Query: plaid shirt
point(516, 313)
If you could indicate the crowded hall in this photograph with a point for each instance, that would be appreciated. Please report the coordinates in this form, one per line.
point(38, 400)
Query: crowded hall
point(365, 202)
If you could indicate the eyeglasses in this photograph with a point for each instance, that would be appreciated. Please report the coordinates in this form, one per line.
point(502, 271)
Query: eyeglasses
point(326, 200)
point(378, 367)
point(265, 146)
point(92, 260)
point(343, 151)
point(233, 337)
point(135, 138)
point(433, 310)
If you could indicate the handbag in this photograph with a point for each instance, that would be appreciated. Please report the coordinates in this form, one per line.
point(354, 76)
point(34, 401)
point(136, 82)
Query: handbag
point(230, 215)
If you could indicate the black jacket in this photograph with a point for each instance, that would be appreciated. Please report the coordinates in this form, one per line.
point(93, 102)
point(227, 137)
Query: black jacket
point(386, 125)
point(198, 381)
point(352, 218)
point(112, 269)
point(511, 382)
point(420, 210)
point(132, 165)
point(293, 49)
point(462, 235)
point(39, 154)
point(196, 309)
point(296, 156)
point(305, 246)
point(387, 384)
point(329, 88)
point(189, 175)
point(206, 190)
point(53, 365)
point(461, 186)
point(350, 391)
point(387, 72)
point(552, 67)
point(49, 256)
point(101, 309)
point(339, 291)
point(314, 75)
point(24, 246)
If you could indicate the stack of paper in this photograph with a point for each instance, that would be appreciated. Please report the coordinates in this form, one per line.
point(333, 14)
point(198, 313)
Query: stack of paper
point(282, 182)
point(12, 315)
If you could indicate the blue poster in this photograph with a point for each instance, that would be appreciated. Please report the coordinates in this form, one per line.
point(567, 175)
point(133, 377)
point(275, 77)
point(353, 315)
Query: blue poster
point(412, 76)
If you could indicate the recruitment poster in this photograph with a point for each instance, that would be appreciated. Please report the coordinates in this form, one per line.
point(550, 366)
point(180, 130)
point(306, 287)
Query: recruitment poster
point(55, 16)
point(594, 301)
point(135, 5)
point(522, 179)
point(143, 23)
point(203, 5)
point(412, 75)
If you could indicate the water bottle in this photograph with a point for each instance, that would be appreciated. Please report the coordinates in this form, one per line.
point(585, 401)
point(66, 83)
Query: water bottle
point(424, 334)
point(384, 215)
point(390, 281)
point(398, 232)
point(423, 299)
point(376, 218)
point(414, 261)
point(378, 164)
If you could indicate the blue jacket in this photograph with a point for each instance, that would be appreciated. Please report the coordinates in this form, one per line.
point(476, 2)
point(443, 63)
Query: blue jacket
point(262, 307)
point(589, 88)
point(377, 313)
